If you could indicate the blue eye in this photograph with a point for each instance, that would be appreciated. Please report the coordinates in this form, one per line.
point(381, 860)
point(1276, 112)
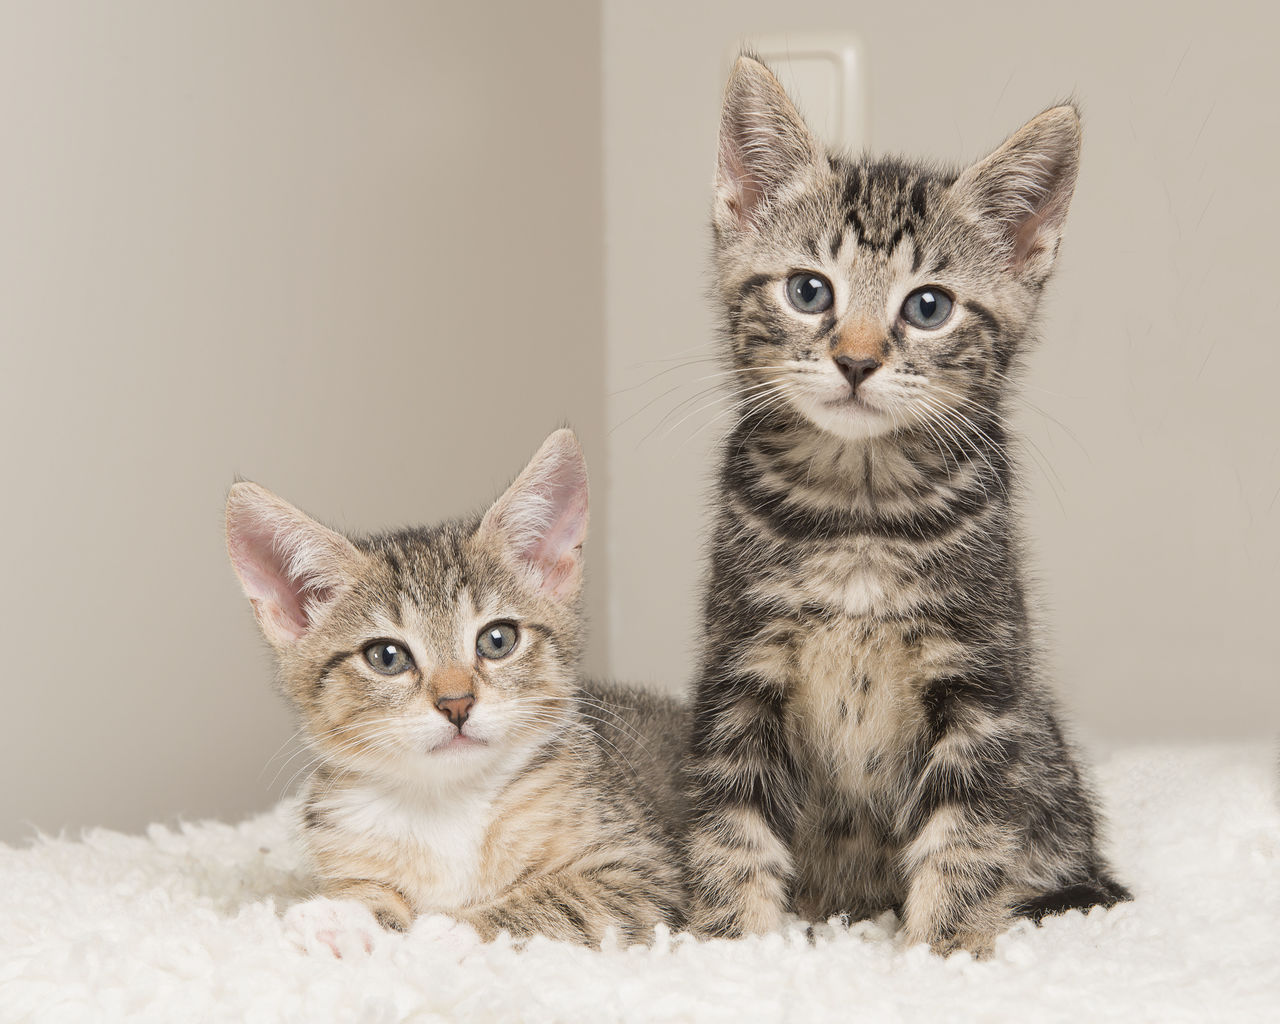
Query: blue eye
point(388, 657)
point(497, 640)
point(927, 308)
point(809, 293)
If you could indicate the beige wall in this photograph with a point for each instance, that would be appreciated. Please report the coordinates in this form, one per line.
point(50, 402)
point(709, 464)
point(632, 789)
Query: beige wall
point(1151, 405)
point(351, 251)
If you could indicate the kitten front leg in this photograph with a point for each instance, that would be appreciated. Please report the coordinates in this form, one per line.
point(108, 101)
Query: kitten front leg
point(346, 915)
point(579, 904)
point(387, 904)
point(746, 798)
point(741, 872)
point(961, 843)
point(957, 891)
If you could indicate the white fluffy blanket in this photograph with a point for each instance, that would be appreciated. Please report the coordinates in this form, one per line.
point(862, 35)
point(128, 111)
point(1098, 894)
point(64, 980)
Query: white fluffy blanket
point(184, 925)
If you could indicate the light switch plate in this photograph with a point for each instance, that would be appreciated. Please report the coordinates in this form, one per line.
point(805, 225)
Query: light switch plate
point(824, 73)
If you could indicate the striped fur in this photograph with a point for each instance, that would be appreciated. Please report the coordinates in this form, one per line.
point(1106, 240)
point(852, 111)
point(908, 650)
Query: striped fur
point(870, 729)
point(553, 808)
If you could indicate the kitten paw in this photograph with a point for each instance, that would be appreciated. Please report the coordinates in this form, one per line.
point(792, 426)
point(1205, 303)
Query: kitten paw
point(979, 944)
point(346, 929)
point(459, 936)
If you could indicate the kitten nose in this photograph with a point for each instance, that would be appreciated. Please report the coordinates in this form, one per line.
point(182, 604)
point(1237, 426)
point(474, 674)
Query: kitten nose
point(856, 370)
point(456, 709)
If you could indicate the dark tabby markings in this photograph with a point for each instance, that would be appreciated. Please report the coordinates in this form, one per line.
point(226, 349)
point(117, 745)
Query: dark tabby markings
point(979, 785)
point(789, 522)
point(570, 913)
point(751, 284)
point(918, 193)
point(944, 698)
point(976, 886)
point(756, 785)
point(389, 920)
point(845, 823)
point(840, 825)
point(989, 322)
point(875, 208)
point(1099, 892)
point(333, 662)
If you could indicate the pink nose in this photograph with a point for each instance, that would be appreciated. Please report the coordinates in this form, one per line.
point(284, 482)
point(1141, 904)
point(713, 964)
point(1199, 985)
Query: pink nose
point(456, 709)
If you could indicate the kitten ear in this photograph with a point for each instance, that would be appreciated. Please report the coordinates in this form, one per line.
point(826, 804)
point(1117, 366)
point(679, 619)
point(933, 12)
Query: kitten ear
point(541, 521)
point(290, 567)
point(764, 144)
point(1023, 189)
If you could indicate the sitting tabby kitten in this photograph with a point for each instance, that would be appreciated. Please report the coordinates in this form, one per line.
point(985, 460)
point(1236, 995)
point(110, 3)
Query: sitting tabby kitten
point(462, 768)
point(870, 731)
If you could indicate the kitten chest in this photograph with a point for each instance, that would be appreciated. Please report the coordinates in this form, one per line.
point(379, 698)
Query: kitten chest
point(434, 852)
point(854, 697)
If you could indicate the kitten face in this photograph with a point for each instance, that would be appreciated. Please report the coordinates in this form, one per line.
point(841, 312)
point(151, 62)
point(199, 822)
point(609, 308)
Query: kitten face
point(440, 658)
point(871, 297)
point(429, 654)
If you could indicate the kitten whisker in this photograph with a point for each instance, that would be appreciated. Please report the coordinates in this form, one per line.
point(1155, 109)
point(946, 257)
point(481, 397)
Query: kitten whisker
point(757, 412)
point(681, 365)
point(1051, 475)
point(966, 423)
point(700, 393)
point(297, 733)
point(765, 400)
point(751, 392)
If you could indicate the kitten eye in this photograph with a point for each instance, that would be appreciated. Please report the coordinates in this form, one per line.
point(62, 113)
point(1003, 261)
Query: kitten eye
point(809, 293)
point(388, 658)
point(497, 640)
point(927, 308)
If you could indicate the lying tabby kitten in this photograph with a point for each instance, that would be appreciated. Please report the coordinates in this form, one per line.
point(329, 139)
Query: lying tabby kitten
point(463, 769)
point(869, 729)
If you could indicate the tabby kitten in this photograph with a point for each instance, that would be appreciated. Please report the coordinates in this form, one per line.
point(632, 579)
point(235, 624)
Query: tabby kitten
point(870, 731)
point(462, 767)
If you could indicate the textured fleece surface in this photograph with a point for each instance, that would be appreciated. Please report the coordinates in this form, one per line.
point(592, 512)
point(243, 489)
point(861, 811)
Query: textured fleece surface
point(187, 924)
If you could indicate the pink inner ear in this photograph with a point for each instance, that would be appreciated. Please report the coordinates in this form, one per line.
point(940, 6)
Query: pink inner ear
point(746, 189)
point(557, 552)
point(264, 574)
point(1038, 230)
point(541, 520)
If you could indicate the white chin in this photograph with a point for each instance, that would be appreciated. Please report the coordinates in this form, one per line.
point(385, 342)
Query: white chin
point(849, 419)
